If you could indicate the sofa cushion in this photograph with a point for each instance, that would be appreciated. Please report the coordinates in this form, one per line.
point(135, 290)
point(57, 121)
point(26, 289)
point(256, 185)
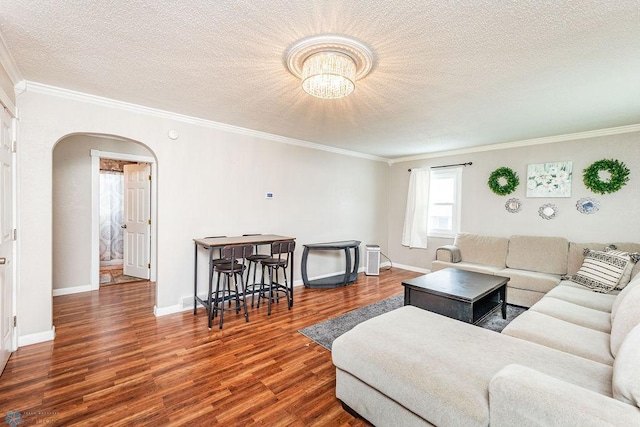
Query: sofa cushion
point(560, 335)
point(578, 294)
point(626, 318)
point(424, 363)
point(534, 253)
point(530, 280)
point(574, 313)
point(616, 303)
point(484, 250)
point(468, 266)
point(626, 369)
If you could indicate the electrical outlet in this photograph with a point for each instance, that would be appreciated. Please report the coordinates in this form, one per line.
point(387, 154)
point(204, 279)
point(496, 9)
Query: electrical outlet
point(269, 195)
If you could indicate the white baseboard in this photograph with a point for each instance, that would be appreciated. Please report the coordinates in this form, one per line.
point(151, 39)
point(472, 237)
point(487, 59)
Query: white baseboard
point(37, 337)
point(72, 290)
point(172, 309)
point(412, 268)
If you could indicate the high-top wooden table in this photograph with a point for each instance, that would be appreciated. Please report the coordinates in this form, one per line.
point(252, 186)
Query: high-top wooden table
point(460, 294)
point(212, 243)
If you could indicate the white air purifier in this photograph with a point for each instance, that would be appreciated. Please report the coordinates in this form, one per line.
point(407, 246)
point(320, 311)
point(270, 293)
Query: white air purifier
point(372, 267)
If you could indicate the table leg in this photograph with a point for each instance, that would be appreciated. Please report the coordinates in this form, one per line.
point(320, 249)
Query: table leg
point(347, 272)
point(195, 279)
point(291, 278)
point(503, 296)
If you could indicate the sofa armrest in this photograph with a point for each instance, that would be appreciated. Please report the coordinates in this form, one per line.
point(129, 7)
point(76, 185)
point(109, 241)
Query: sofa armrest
point(525, 397)
point(448, 253)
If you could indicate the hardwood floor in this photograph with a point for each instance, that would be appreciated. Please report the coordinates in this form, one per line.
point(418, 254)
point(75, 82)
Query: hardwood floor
point(114, 363)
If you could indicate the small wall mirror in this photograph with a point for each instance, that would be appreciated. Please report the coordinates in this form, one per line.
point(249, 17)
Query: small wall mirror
point(587, 205)
point(513, 205)
point(548, 211)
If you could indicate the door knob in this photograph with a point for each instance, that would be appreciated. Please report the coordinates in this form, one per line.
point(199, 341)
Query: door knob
point(3, 261)
point(123, 226)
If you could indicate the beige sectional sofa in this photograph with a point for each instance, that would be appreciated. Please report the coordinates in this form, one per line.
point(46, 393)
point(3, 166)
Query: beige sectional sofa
point(572, 359)
point(534, 264)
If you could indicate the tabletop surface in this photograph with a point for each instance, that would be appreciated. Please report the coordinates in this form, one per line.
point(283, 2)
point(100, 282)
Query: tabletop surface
point(334, 245)
point(241, 240)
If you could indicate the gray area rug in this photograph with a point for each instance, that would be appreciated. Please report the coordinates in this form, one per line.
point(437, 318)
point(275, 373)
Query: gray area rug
point(325, 332)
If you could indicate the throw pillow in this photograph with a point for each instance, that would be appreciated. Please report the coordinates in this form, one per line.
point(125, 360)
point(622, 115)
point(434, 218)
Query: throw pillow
point(626, 370)
point(626, 275)
point(601, 271)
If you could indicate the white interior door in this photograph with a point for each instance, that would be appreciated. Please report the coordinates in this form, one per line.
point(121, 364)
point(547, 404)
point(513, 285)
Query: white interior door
point(6, 237)
point(137, 220)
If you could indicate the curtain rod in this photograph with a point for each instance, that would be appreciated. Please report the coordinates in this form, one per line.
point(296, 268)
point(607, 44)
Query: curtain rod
point(447, 166)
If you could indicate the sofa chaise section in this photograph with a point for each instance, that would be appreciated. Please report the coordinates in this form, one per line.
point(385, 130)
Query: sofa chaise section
point(424, 365)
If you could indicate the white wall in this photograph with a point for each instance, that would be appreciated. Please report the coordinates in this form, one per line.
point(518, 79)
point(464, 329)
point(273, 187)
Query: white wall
point(72, 205)
point(484, 212)
point(210, 181)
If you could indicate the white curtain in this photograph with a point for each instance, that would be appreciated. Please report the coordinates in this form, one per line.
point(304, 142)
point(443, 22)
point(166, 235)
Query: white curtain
point(414, 233)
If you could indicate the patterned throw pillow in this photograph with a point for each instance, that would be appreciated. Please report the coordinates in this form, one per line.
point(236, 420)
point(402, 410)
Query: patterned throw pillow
point(601, 271)
point(626, 276)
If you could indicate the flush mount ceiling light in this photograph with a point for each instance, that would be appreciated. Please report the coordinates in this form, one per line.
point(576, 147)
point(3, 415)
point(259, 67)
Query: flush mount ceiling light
point(329, 65)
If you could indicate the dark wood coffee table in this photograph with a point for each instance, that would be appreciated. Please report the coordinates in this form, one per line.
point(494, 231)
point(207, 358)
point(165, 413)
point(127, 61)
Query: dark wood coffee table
point(460, 294)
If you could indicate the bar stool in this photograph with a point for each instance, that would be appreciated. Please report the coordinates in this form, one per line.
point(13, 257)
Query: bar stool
point(230, 271)
point(280, 255)
point(212, 263)
point(253, 261)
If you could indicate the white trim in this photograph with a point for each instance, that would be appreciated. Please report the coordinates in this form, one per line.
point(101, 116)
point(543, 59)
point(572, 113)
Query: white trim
point(112, 103)
point(524, 143)
point(72, 290)
point(10, 106)
point(96, 155)
point(172, 309)
point(412, 268)
point(37, 337)
point(9, 64)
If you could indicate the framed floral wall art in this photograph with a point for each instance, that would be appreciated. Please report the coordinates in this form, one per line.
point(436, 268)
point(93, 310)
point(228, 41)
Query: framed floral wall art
point(549, 179)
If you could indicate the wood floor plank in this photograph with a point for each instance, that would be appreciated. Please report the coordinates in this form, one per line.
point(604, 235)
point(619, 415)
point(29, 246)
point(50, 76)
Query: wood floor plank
point(114, 363)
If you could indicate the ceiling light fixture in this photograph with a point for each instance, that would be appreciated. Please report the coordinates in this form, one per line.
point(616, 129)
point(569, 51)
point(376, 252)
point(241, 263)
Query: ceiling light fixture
point(329, 65)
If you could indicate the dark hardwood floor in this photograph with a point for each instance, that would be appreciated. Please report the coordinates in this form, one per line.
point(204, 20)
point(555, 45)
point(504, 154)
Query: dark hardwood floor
point(114, 363)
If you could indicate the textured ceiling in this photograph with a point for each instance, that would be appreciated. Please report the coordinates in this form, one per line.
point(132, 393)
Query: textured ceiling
point(448, 74)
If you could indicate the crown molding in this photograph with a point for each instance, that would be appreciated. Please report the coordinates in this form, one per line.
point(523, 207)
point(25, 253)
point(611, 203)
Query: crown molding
point(8, 63)
point(135, 108)
point(523, 143)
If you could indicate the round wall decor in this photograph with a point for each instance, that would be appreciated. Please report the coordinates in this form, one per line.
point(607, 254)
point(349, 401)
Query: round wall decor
point(503, 181)
point(587, 205)
point(513, 205)
point(618, 171)
point(548, 211)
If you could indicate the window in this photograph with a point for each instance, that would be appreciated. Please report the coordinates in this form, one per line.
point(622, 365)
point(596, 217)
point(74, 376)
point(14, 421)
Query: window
point(444, 202)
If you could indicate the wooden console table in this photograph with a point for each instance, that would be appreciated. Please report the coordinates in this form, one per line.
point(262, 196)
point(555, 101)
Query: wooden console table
point(351, 273)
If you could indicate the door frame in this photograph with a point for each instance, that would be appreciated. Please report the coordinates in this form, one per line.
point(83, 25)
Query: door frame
point(96, 155)
point(5, 103)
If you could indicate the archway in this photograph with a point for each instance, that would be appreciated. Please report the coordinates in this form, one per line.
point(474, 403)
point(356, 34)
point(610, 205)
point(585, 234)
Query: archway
point(75, 204)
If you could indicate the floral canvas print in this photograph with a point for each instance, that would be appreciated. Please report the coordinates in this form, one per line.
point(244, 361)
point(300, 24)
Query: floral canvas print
point(549, 179)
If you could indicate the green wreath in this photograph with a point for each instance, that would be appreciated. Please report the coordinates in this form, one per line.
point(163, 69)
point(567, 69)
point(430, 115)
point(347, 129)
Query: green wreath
point(511, 181)
point(619, 176)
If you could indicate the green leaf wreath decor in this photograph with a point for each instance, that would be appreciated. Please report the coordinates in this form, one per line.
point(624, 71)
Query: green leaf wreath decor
point(503, 175)
point(618, 171)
